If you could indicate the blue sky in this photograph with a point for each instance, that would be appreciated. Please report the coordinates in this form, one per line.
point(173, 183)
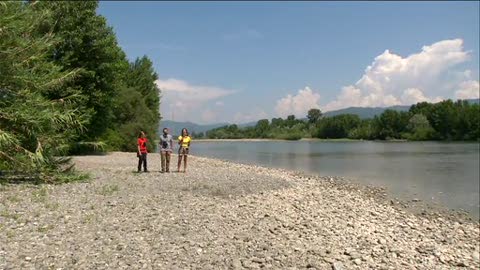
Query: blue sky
point(242, 61)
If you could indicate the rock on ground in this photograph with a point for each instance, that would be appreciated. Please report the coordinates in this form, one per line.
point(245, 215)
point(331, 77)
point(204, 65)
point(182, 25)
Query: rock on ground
point(219, 215)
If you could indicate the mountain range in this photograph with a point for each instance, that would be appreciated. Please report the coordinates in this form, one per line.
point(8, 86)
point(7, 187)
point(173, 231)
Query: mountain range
point(362, 112)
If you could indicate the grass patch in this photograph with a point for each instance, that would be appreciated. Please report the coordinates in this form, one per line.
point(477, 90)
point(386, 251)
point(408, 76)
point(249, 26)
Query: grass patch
point(10, 234)
point(40, 195)
point(4, 213)
point(52, 206)
point(89, 218)
point(72, 177)
point(14, 198)
point(45, 229)
point(108, 190)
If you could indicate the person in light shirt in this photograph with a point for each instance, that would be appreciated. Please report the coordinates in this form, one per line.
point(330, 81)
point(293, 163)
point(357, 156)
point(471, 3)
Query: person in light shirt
point(184, 142)
point(166, 149)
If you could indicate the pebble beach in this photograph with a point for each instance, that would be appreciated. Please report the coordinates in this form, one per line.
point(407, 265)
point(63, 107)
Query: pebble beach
point(221, 215)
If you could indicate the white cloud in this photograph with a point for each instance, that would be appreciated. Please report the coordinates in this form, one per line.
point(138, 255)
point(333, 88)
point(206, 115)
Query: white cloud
point(298, 104)
point(182, 101)
point(414, 95)
point(209, 116)
point(394, 80)
point(467, 90)
point(219, 103)
point(253, 115)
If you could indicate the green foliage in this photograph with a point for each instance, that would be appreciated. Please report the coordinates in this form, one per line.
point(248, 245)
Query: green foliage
point(35, 129)
point(314, 116)
point(262, 128)
point(135, 108)
point(88, 44)
point(66, 87)
point(424, 121)
point(338, 126)
point(390, 124)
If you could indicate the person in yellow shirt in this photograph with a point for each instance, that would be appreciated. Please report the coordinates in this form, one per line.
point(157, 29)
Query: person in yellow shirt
point(184, 142)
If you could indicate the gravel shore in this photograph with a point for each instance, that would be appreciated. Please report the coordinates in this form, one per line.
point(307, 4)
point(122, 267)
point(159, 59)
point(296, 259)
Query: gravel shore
point(220, 215)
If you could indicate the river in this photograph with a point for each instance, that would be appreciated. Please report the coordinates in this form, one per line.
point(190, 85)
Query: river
point(435, 172)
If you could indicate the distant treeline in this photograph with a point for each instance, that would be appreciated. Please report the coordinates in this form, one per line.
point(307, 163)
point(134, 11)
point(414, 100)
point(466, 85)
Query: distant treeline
point(66, 87)
point(446, 120)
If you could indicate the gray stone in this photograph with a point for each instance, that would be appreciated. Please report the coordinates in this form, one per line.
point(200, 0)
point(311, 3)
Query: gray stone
point(236, 264)
point(337, 266)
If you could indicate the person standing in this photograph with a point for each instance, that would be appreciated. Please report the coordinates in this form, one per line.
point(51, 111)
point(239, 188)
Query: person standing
point(184, 142)
point(166, 143)
point(142, 151)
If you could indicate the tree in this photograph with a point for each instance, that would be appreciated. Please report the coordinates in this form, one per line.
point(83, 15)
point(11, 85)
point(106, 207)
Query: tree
point(35, 129)
point(420, 128)
point(86, 43)
point(262, 128)
point(391, 124)
point(314, 115)
point(135, 108)
point(338, 126)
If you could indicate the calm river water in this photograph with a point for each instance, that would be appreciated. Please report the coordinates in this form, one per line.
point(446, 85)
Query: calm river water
point(435, 172)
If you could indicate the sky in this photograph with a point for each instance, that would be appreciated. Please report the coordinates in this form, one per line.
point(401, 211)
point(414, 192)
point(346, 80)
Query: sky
point(239, 62)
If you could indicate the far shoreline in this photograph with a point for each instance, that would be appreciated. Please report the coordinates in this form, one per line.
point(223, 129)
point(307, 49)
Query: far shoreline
point(300, 140)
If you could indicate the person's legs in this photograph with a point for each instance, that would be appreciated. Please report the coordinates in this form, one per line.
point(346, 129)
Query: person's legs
point(167, 160)
point(144, 162)
point(140, 160)
point(185, 159)
point(180, 156)
point(162, 160)
point(185, 163)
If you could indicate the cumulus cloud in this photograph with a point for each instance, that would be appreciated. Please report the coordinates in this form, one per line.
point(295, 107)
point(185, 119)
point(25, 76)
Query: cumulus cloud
point(182, 101)
point(251, 116)
point(468, 90)
point(209, 116)
point(394, 80)
point(298, 104)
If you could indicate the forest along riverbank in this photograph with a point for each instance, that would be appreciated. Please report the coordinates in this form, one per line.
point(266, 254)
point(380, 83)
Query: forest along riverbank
point(220, 215)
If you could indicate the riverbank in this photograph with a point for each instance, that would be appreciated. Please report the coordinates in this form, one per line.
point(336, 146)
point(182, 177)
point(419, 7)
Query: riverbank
point(277, 140)
point(302, 139)
point(221, 215)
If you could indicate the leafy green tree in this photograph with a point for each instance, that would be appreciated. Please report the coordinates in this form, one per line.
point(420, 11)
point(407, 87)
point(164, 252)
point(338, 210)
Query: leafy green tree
point(314, 115)
point(420, 128)
point(262, 128)
point(85, 42)
point(35, 129)
point(277, 122)
point(391, 124)
point(338, 126)
point(290, 121)
point(135, 108)
point(364, 130)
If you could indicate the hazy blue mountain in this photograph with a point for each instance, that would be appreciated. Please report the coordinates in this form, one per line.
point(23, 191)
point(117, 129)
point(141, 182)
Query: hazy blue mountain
point(176, 127)
point(362, 112)
point(473, 101)
point(249, 124)
point(365, 112)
